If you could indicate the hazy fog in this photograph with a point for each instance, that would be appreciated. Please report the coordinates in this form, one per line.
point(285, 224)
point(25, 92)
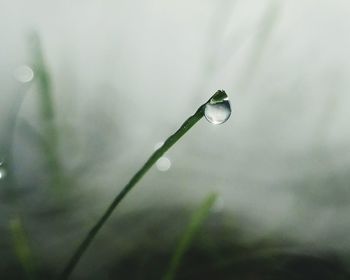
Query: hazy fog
point(126, 74)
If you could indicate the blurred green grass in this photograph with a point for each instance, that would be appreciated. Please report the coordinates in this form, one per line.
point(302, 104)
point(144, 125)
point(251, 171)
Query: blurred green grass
point(217, 254)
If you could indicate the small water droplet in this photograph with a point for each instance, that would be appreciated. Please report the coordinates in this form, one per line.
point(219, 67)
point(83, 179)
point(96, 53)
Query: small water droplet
point(23, 74)
point(218, 108)
point(158, 145)
point(3, 171)
point(163, 164)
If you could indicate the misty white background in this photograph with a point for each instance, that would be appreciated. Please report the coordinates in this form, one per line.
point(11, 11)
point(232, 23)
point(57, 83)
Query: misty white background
point(126, 74)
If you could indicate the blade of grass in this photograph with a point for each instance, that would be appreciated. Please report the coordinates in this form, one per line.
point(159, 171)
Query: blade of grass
point(268, 23)
point(47, 112)
point(7, 140)
point(186, 126)
point(192, 229)
point(43, 80)
point(210, 64)
point(21, 247)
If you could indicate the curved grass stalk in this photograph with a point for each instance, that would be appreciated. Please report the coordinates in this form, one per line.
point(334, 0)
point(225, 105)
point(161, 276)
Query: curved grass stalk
point(191, 121)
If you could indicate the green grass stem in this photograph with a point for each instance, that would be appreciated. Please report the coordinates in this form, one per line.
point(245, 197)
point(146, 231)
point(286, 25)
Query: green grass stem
point(22, 248)
point(191, 121)
point(192, 229)
point(47, 112)
point(267, 25)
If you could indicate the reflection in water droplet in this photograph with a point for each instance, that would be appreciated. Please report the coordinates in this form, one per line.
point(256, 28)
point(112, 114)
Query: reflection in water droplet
point(218, 108)
point(163, 164)
point(23, 74)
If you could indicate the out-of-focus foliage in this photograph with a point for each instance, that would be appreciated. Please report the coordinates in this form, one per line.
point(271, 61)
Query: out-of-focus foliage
point(84, 101)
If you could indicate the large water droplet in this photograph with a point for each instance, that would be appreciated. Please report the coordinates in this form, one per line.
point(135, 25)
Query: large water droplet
point(218, 108)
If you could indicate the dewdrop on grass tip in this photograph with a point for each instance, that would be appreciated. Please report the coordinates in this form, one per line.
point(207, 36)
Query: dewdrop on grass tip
point(218, 109)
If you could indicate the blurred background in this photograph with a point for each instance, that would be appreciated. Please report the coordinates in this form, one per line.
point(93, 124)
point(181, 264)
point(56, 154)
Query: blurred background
point(88, 90)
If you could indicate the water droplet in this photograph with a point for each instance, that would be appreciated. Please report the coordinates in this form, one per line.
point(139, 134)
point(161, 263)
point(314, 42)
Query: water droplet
point(158, 145)
point(23, 74)
point(218, 108)
point(163, 164)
